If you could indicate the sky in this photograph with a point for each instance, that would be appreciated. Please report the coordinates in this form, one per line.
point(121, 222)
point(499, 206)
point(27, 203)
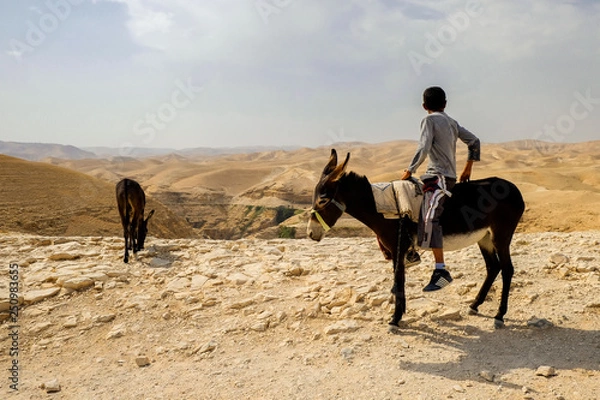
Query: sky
point(229, 73)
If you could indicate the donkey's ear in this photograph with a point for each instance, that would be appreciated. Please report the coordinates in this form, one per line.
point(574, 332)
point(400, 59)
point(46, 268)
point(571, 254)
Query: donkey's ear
point(331, 164)
point(340, 169)
point(149, 215)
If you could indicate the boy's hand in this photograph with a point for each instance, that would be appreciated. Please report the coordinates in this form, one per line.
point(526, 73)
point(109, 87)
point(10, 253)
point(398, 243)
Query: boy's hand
point(406, 175)
point(466, 174)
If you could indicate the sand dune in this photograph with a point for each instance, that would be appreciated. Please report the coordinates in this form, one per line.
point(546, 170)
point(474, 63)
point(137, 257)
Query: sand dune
point(44, 199)
point(560, 181)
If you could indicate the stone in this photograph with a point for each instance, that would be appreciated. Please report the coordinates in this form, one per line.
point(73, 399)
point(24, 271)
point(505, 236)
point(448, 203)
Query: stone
point(242, 304)
point(64, 257)
point(178, 285)
point(344, 326)
point(559, 259)
point(260, 326)
point(198, 282)
point(206, 348)
point(540, 323)
point(546, 371)
point(5, 302)
point(295, 270)
point(52, 386)
point(78, 283)
point(160, 263)
point(97, 276)
point(116, 332)
point(458, 389)
point(35, 296)
point(142, 361)
point(238, 278)
point(450, 315)
point(347, 353)
point(487, 375)
point(39, 327)
point(104, 318)
point(71, 322)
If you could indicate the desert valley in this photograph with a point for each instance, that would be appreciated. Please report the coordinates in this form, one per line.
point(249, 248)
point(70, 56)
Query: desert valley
point(231, 300)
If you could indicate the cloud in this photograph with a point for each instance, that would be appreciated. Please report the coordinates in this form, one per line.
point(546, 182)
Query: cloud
point(309, 67)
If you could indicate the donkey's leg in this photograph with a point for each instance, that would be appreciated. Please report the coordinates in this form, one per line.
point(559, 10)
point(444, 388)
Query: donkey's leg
point(492, 265)
point(399, 293)
point(127, 235)
point(126, 255)
point(507, 273)
point(133, 233)
point(402, 244)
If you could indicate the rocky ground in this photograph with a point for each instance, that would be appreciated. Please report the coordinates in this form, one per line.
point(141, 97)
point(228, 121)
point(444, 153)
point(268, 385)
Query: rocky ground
point(293, 319)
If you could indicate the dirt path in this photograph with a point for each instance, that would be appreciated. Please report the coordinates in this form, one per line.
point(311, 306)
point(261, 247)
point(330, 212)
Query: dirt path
point(293, 319)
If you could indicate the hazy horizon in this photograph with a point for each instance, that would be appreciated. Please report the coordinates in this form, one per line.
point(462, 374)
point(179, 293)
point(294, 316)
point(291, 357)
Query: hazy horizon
point(266, 73)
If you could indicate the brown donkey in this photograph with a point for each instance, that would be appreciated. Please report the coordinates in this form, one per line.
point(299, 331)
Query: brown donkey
point(131, 201)
point(484, 211)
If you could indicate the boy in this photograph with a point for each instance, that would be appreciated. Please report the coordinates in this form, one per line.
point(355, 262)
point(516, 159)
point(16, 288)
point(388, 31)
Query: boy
point(439, 134)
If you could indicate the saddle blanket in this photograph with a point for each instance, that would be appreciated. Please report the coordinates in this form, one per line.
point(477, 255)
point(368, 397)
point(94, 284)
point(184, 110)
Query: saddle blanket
point(398, 198)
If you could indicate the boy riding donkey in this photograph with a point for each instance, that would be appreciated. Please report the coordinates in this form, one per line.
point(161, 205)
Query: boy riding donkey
point(439, 134)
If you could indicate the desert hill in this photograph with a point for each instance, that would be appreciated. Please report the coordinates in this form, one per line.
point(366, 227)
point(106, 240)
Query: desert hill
point(251, 194)
point(44, 199)
point(560, 182)
point(38, 151)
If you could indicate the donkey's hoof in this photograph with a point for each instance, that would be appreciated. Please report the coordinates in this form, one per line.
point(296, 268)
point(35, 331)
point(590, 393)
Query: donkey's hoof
point(498, 323)
point(393, 329)
point(473, 311)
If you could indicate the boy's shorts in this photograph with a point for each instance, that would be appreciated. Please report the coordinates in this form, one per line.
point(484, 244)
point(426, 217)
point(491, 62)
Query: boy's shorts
point(435, 192)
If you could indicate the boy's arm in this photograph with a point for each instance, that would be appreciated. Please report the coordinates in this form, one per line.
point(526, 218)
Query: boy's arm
point(474, 146)
point(425, 142)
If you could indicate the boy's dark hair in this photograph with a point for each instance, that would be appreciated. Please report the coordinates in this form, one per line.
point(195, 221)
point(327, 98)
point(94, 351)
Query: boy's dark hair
point(434, 98)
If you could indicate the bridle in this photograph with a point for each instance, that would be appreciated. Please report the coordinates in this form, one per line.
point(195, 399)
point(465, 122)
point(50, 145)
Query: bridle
point(333, 201)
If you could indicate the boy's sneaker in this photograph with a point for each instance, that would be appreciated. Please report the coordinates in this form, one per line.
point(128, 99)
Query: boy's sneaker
point(439, 279)
point(412, 258)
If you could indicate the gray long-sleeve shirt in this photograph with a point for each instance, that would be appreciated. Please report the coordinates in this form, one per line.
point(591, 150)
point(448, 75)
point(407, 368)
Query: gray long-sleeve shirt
point(439, 134)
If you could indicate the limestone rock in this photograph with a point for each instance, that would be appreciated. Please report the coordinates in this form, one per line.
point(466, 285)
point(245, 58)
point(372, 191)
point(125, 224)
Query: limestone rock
point(178, 285)
point(487, 375)
point(344, 326)
point(142, 361)
point(104, 318)
point(35, 296)
point(52, 386)
point(64, 257)
point(449, 315)
point(206, 348)
point(116, 332)
point(198, 281)
point(78, 283)
point(546, 371)
point(559, 259)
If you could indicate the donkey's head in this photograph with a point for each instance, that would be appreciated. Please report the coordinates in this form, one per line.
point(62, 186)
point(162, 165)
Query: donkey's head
point(326, 209)
point(143, 231)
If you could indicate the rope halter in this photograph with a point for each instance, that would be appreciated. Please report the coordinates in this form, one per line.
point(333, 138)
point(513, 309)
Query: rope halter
point(326, 227)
